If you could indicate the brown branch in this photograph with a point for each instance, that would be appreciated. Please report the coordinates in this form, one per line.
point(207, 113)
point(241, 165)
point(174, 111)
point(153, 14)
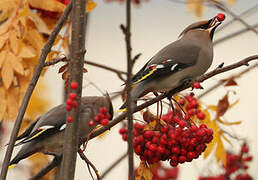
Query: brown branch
point(220, 83)
point(88, 162)
point(227, 37)
point(176, 90)
point(55, 162)
point(76, 70)
point(113, 165)
point(46, 49)
point(54, 61)
point(118, 72)
point(127, 32)
point(222, 7)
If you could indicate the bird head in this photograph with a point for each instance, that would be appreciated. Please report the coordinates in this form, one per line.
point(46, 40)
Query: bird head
point(208, 26)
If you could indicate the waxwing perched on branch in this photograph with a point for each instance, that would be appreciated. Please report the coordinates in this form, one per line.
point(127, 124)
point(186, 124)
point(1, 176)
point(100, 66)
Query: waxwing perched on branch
point(179, 62)
point(46, 133)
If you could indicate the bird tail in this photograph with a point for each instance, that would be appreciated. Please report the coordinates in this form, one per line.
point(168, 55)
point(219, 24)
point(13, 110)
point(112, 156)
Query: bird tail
point(122, 108)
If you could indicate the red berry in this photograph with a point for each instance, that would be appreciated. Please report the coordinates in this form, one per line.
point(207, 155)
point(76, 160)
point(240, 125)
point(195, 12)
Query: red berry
point(197, 85)
point(69, 119)
point(122, 130)
point(182, 124)
point(103, 110)
point(175, 150)
point(148, 134)
point(72, 95)
point(96, 118)
point(190, 155)
point(74, 104)
point(201, 115)
point(74, 85)
point(104, 122)
point(68, 108)
point(181, 159)
point(91, 123)
point(203, 126)
point(69, 102)
point(153, 147)
point(221, 16)
point(182, 101)
point(124, 137)
point(244, 149)
point(173, 163)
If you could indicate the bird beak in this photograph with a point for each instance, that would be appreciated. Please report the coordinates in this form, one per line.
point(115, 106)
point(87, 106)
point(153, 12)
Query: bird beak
point(214, 23)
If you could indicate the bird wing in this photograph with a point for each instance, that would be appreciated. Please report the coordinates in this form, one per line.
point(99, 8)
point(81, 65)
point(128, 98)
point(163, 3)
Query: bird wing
point(47, 124)
point(169, 60)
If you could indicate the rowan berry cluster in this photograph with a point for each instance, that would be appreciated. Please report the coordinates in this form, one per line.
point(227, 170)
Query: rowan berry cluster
point(236, 166)
point(178, 139)
point(71, 102)
point(102, 117)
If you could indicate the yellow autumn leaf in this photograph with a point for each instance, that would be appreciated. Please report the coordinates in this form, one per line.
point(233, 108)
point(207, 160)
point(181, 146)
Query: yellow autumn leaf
point(213, 125)
point(220, 152)
point(226, 139)
point(7, 73)
point(3, 39)
point(234, 103)
point(6, 7)
point(39, 23)
point(16, 63)
point(90, 5)
point(228, 123)
point(12, 103)
point(2, 57)
point(212, 107)
point(35, 39)
point(144, 171)
point(48, 5)
point(27, 51)
point(3, 103)
point(151, 125)
point(13, 42)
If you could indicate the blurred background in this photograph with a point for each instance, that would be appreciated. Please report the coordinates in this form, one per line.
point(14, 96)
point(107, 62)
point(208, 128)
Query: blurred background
point(154, 25)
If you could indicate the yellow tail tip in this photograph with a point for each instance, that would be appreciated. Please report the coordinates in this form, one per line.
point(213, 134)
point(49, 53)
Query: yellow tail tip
point(121, 110)
point(11, 166)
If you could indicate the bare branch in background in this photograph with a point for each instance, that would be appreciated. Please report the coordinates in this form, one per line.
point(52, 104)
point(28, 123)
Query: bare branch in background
point(87, 161)
point(113, 165)
point(46, 49)
point(222, 7)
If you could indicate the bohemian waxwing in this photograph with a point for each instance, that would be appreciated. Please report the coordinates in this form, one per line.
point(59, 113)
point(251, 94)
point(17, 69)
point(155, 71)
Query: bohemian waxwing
point(179, 62)
point(46, 133)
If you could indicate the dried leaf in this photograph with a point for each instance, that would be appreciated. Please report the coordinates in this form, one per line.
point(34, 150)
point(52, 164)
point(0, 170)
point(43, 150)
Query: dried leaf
point(212, 107)
point(3, 39)
point(65, 75)
point(12, 103)
point(231, 82)
point(148, 116)
point(90, 5)
point(84, 70)
point(220, 152)
point(63, 68)
point(2, 57)
point(3, 103)
point(222, 106)
point(16, 63)
point(39, 23)
point(48, 5)
point(228, 123)
point(143, 172)
point(233, 104)
point(7, 73)
point(27, 51)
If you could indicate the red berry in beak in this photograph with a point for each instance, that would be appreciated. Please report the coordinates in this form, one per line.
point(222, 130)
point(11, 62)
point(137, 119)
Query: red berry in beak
point(221, 17)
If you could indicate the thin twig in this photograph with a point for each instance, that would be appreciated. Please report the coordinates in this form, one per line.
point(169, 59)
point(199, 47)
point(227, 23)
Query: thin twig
point(55, 162)
point(234, 34)
point(46, 49)
point(220, 83)
point(222, 7)
point(88, 162)
point(113, 165)
point(118, 72)
point(176, 90)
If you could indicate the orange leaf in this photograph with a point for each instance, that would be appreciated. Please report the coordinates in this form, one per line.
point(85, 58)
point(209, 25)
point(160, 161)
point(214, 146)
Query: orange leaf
point(213, 125)
point(212, 107)
point(48, 5)
point(3, 103)
point(39, 23)
point(90, 5)
point(5, 26)
point(2, 57)
point(27, 51)
point(7, 73)
point(3, 39)
point(228, 123)
point(16, 63)
point(220, 152)
point(12, 103)
point(14, 44)
point(144, 172)
point(222, 106)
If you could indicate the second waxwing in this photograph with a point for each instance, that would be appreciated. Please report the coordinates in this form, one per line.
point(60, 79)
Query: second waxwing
point(179, 62)
point(46, 133)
